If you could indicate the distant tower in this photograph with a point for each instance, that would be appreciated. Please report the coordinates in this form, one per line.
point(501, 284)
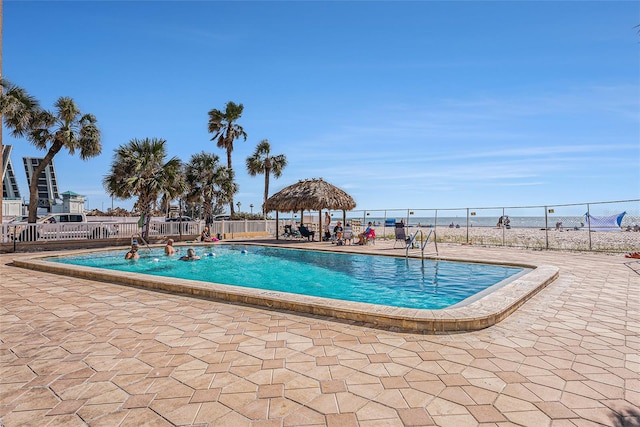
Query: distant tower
point(47, 183)
point(10, 188)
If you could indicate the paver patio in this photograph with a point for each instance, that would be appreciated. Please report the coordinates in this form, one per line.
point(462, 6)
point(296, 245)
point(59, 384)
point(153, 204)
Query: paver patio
point(78, 352)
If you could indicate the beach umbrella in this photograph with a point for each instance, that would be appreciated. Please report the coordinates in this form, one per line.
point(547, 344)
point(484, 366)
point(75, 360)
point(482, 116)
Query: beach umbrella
point(309, 194)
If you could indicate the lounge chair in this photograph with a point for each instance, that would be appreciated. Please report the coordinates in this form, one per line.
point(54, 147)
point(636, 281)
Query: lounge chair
point(305, 232)
point(289, 233)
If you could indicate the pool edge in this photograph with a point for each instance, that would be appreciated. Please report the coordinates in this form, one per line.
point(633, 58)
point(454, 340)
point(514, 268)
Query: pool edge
point(479, 314)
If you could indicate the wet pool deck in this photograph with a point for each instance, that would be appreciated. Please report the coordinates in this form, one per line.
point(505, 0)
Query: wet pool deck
point(81, 352)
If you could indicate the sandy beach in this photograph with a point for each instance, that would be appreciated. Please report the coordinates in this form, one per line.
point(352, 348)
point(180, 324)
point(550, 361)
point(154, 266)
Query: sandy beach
point(532, 238)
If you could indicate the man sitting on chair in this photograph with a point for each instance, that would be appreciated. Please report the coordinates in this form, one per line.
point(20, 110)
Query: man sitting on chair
point(309, 234)
point(367, 234)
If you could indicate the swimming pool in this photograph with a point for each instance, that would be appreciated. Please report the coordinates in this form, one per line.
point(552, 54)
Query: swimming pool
point(382, 280)
point(484, 309)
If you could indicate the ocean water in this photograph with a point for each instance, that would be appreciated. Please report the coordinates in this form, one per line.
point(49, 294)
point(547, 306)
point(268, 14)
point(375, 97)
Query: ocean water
point(483, 221)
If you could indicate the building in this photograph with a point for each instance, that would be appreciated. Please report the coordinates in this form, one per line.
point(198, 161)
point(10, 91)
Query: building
point(71, 203)
point(11, 198)
point(10, 188)
point(49, 200)
point(47, 183)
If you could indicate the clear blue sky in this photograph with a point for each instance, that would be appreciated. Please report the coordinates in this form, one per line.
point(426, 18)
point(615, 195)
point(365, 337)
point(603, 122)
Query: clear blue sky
point(419, 104)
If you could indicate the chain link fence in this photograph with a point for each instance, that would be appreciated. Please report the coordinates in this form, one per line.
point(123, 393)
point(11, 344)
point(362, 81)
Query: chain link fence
point(602, 226)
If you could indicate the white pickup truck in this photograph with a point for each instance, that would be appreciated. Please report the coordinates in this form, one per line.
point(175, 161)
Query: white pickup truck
point(63, 226)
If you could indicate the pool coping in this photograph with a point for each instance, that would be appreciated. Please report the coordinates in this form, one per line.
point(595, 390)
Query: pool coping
point(481, 313)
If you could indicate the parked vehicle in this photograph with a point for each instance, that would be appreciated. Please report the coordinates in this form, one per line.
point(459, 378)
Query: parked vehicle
point(179, 219)
point(62, 226)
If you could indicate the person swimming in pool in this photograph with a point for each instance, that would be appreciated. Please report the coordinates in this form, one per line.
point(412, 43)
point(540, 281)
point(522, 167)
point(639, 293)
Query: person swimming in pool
point(169, 249)
point(190, 256)
point(133, 252)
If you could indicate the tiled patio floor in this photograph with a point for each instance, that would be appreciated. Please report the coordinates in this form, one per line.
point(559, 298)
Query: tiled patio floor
point(77, 352)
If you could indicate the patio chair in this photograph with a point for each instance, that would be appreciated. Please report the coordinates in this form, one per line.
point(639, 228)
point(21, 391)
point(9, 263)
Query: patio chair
point(401, 234)
point(305, 232)
point(347, 235)
point(370, 237)
point(290, 233)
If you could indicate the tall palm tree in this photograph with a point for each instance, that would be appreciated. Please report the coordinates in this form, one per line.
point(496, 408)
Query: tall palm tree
point(66, 127)
point(202, 175)
point(263, 162)
point(224, 129)
point(140, 169)
point(18, 109)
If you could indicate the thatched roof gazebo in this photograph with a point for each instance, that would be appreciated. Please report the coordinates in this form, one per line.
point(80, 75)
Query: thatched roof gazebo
point(309, 194)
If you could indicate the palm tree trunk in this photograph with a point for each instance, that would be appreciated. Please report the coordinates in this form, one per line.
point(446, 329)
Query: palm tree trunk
point(266, 192)
point(33, 185)
point(147, 224)
point(230, 168)
point(146, 218)
point(208, 209)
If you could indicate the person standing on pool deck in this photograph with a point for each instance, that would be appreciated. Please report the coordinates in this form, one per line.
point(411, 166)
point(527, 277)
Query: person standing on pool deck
point(327, 223)
point(169, 249)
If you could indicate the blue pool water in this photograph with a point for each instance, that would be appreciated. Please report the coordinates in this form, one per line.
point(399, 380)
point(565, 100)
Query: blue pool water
point(370, 279)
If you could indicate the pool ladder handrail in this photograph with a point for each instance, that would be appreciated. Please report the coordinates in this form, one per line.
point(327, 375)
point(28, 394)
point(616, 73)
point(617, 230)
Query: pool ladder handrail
point(138, 237)
point(424, 242)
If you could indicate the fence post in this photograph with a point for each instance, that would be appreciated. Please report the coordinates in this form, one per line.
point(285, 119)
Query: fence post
point(589, 224)
point(467, 226)
point(546, 227)
point(384, 226)
point(503, 227)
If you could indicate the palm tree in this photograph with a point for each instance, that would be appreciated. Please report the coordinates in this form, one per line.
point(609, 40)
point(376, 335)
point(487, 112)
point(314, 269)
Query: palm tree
point(66, 128)
point(202, 173)
point(225, 186)
point(18, 110)
point(263, 162)
point(139, 169)
point(224, 129)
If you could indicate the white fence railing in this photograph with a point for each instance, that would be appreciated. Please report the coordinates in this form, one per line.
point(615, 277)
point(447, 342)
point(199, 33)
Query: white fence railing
point(23, 232)
point(563, 227)
point(93, 230)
